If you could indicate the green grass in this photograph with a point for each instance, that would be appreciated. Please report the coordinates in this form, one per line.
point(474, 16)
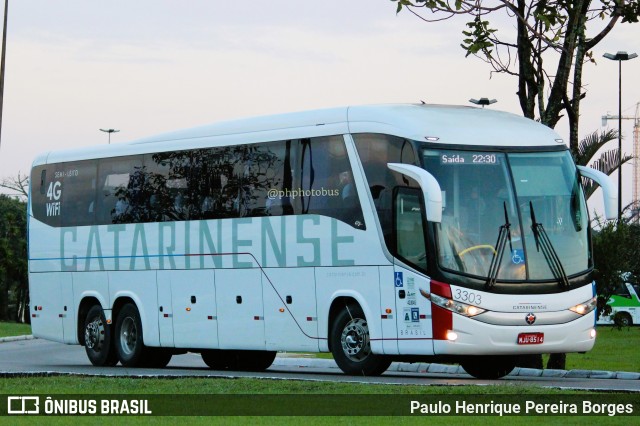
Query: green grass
point(330, 421)
point(219, 386)
point(196, 385)
point(14, 329)
point(615, 350)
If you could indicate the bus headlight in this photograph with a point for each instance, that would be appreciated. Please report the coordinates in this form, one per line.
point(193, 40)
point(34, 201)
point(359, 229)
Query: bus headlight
point(585, 307)
point(455, 306)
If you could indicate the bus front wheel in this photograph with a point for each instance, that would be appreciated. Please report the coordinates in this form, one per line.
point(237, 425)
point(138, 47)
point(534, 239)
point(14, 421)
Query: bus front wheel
point(97, 339)
point(128, 338)
point(351, 345)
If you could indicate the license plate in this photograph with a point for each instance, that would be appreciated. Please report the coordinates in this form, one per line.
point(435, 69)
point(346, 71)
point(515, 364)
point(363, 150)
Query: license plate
point(530, 338)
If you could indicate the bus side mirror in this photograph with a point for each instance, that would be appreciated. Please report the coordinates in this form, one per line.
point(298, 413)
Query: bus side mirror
point(609, 190)
point(431, 191)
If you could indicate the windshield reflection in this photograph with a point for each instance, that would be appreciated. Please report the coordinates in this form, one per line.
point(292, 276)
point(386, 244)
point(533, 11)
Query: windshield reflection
point(485, 191)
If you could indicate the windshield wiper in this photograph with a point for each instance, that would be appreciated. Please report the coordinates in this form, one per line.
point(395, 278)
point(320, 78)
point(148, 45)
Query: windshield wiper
point(551, 256)
point(504, 234)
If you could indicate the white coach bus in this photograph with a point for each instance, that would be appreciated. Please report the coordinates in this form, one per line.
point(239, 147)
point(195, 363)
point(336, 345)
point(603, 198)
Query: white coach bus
point(376, 233)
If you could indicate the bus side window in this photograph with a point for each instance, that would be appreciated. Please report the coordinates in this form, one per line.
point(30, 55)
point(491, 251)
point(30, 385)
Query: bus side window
point(45, 207)
point(326, 180)
point(409, 227)
point(78, 196)
point(375, 152)
point(43, 181)
point(118, 190)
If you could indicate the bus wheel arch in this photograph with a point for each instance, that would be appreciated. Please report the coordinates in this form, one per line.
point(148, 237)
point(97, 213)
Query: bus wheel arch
point(83, 309)
point(349, 340)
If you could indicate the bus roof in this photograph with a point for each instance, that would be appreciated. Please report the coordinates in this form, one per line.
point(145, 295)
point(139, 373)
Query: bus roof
point(456, 125)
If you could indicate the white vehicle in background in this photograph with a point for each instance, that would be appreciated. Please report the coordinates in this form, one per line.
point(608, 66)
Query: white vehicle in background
point(377, 233)
point(625, 306)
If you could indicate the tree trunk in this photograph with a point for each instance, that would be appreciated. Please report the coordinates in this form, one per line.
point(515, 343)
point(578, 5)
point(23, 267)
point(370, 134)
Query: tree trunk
point(556, 100)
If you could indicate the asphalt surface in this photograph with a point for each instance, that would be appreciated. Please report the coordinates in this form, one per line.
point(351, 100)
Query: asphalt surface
point(299, 360)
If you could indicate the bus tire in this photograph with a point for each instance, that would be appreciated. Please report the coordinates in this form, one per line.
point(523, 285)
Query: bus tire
point(351, 346)
point(97, 339)
point(255, 360)
point(623, 319)
point(156, 357)
point(489, 367)
point(128, 337)
point(215, 359)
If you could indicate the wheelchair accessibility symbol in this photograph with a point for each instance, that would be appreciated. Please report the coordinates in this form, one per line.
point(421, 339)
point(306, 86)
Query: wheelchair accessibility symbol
point(517, 256)
point(399, 281)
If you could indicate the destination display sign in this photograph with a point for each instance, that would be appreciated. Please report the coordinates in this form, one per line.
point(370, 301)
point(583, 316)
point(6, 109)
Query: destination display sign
point(457, 158)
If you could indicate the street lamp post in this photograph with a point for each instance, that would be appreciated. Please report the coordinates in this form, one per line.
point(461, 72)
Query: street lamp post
point(109, 131)
point(620, 56)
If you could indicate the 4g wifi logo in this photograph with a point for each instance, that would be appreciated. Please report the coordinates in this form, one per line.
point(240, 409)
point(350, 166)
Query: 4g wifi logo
point(23, 405)
point(54, 192)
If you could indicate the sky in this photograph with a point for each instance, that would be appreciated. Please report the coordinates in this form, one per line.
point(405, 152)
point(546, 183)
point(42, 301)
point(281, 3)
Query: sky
point(150, 66)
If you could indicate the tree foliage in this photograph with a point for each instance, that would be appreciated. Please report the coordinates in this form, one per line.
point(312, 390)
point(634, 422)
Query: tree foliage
point(550, 42)
point(607, 163)
point(616, 259)
point(13, 259)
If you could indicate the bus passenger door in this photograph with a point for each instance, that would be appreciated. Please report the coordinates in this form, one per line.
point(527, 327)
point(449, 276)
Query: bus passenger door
point(413, 311)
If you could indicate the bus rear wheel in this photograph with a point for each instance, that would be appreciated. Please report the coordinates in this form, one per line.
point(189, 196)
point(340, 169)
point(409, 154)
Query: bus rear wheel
point(156, 357)
point(255, 360)
point(97, 339)
point(215, 359)
point(128, 338)
point(351, 345)
point(489, 367)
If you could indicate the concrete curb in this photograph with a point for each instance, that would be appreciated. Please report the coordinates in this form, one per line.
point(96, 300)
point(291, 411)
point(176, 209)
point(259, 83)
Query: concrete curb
point(422, 367)
point(302, 361)
point(15, 338)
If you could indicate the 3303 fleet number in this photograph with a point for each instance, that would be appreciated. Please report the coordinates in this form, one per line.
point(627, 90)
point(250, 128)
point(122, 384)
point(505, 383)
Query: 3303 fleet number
point(467, 296)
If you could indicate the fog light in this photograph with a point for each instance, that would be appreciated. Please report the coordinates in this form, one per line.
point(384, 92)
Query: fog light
point(592, 333)
point(452, 336)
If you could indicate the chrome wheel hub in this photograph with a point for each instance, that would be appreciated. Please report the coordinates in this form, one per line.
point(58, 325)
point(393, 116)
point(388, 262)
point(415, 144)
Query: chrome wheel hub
point(355, 340)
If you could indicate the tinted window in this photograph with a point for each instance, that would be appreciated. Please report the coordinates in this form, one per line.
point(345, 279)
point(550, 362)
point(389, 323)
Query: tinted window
point(409, 225)
point(308, 176)
point(375, 152)
point(121, 197)
point(78, 195)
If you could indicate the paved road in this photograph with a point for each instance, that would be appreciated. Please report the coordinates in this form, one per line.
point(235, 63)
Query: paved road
point(41, 356)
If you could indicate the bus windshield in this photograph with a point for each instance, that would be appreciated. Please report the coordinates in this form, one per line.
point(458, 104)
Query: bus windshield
point(534, 199)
